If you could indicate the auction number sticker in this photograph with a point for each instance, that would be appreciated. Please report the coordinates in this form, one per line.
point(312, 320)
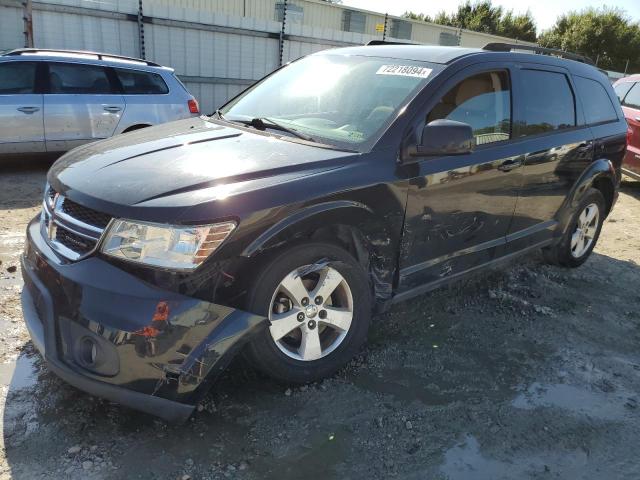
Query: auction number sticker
point(404, 71)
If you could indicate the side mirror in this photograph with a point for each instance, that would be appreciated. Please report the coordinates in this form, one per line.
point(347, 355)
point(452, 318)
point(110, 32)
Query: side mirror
point(444, 137)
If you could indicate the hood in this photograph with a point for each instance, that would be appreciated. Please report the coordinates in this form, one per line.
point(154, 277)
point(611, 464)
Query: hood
point(164, 164)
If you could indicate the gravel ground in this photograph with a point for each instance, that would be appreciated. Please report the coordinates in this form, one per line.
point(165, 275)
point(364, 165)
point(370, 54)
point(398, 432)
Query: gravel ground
point(530, 371)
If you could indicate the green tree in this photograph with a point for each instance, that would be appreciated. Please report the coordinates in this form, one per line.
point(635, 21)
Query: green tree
point(605, 34)
point(482, 16)
point(522, 27)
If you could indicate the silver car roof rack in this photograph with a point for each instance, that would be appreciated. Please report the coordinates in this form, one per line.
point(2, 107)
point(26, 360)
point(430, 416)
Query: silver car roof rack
point(99, 56)
point(508, 47)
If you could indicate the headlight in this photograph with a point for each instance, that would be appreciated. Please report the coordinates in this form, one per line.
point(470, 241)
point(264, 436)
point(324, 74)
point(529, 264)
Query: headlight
point(174, 247)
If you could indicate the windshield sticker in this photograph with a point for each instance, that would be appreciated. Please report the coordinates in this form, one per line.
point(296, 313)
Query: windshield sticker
point(404, 71)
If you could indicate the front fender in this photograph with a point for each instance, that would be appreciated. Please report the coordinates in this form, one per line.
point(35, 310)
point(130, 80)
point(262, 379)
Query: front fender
point(374, 237)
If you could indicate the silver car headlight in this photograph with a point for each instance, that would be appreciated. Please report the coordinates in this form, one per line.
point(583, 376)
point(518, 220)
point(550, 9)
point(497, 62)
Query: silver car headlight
point(166, 246)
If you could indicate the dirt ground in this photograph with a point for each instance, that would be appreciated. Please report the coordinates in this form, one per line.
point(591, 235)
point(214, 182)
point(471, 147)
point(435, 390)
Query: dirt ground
point(530, 371)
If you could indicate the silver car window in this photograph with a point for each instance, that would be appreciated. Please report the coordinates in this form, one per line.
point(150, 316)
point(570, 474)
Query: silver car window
point(17, 78)
point(75, 78)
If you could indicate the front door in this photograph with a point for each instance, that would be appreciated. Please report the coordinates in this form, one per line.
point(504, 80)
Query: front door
point(81, 105)
point(459, 208)
point(20, 109)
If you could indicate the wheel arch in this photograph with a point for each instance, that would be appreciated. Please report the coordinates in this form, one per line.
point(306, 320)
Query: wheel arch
point(137, 126)
point(600, 175)
point(349, 224)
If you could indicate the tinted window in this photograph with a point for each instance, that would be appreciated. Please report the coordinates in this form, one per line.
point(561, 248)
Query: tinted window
point(137, 82)
point(482, 101)
point(622, 89)
point(548, 102)
point(78, 78)
point(633, 97)
point(17, 77)
point(595, 101)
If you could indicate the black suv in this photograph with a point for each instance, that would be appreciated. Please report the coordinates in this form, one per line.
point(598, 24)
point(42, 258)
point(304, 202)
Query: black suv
point(341, 183)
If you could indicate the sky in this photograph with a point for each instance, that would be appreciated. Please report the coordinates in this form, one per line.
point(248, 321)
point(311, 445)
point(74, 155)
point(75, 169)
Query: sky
point(544, 11)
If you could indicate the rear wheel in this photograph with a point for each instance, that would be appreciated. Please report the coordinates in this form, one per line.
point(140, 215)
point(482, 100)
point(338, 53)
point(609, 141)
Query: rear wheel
point(580, 239)
point(318, 302)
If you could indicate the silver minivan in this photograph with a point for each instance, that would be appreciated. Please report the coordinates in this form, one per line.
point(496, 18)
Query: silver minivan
point(54, 100)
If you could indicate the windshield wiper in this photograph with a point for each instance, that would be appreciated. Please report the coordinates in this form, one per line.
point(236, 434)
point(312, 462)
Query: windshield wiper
point(262, 123)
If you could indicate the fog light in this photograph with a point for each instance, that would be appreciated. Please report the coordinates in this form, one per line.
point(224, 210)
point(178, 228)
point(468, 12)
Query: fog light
point(88, 352)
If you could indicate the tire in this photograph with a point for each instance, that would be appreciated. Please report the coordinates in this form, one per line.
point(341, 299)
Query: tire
point(568, 252)
point(295, 357)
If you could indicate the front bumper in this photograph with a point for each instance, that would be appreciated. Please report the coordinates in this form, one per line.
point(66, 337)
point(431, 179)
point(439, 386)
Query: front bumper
point(107, 332)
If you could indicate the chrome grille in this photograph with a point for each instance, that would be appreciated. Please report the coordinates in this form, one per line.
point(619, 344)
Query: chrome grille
point(85, 215)
point(71, 230)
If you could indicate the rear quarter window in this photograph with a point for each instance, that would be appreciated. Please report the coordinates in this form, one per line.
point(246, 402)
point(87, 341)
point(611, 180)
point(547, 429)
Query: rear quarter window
point(632, 99)
point(622, 89)
point(547, 102)
point(595, 101)
point(136, 82)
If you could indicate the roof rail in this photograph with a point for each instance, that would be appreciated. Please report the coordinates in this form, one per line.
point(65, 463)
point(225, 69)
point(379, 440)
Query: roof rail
point(507, 47)
point(99, 56)
point(386, 42)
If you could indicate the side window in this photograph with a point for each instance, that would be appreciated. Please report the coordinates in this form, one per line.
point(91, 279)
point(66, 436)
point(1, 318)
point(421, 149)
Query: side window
point(622, 89)
point(141, 83)
point(17, 77)
point(595, 101)
point(78, 78)
point(632, 99)
point(482, 101)
point(547, 101)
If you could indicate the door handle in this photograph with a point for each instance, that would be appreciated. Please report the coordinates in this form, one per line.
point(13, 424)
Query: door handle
point(637, 119)
point(509, 165)
point(111, 109)
point(28, 110)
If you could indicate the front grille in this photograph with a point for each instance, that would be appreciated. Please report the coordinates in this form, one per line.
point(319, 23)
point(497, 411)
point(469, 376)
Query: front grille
point(74, 242)
point(84, 214)
point(71, 229)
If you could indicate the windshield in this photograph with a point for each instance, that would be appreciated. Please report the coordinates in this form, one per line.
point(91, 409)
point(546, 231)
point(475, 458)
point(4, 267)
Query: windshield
point(340, 100)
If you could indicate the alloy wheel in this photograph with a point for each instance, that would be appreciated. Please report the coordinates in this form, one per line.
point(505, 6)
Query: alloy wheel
point(585, 231)
point(311, 312)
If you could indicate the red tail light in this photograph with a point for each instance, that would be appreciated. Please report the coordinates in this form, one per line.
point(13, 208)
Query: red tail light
point(629, 134)
point(193, 106)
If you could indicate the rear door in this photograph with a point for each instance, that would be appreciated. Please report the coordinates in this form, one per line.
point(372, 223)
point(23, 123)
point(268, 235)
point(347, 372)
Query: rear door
point(82, 104)
point(148, 99)
point(558, 146)
point(20, 109)
point(631, 109)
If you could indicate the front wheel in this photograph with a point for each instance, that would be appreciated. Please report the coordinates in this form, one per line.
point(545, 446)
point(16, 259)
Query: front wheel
point(318, 302)
point(580, 238)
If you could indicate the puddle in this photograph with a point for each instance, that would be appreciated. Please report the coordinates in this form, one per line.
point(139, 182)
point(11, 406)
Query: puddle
point(464, 461)
point(19, 374)
point(404, 385)
point(320, 456)
point(606, 406)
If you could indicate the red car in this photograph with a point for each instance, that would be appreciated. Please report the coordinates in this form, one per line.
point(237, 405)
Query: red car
point(628, 91)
